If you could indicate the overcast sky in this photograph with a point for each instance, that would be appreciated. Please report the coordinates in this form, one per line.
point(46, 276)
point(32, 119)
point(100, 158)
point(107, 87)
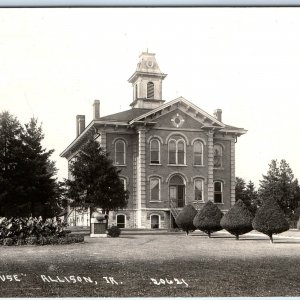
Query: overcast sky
point(246, 61)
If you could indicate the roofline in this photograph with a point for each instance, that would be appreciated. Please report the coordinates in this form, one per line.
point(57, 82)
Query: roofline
point(240, 130)
point(162, 75)
point(173, 102)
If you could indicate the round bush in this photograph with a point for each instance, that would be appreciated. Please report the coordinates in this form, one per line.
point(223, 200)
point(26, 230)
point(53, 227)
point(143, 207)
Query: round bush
point(8, 242)
point(270, 219)
point(208, 218)
point(238, 220)
point(185, 218)
point(114, 231)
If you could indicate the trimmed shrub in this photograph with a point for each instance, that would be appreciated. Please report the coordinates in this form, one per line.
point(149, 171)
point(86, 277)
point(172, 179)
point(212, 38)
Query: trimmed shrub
point(32, 240)
point(208, 218)
point(185, 218)
point(114, 231)
point(8, 242)
point(269, 219)
point(20, 242)
point(238, 220)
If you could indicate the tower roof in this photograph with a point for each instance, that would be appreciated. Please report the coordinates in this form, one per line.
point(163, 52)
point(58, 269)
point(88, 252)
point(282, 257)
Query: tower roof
point(147, 65)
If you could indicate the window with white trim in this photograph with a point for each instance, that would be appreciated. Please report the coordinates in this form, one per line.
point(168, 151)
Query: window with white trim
point(218, 192)
point(120, 152)
point(154, 152)
point(121, 221)
point(155, 221)
point(198, 188)
point(154, 189)
point(176, 152)
point(218, 154)
point(198, 153)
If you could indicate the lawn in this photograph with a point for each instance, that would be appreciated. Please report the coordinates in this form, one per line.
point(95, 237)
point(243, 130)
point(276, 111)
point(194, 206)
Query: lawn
point(164, 265)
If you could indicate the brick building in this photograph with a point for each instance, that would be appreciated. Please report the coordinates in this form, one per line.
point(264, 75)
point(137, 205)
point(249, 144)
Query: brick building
point(170, 153)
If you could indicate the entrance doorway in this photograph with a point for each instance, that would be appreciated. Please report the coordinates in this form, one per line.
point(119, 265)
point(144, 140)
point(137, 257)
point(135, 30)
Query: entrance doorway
point(177, 191)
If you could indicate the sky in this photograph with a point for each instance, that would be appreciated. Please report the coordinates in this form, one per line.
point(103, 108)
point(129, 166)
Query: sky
point(54, 62)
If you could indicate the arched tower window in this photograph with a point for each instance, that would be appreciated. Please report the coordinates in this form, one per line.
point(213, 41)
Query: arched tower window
point(150, 90)
point(135, 91)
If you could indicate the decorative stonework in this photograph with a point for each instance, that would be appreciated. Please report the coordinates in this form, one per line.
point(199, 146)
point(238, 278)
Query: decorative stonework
point(177, 120)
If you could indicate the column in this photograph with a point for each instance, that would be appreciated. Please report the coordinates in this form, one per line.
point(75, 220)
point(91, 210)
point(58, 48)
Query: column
point(210, 166)
point(141, 176)
point(232, 172)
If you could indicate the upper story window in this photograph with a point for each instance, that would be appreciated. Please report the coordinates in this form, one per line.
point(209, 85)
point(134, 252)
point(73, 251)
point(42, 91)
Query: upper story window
point(154, 189)
point(123, 180)
point(198, 153)
point(120, 152)
point(150, 90)
point(218, 192)
point(176, 152)
point(198, 187)
point(154, 152)
point(218, 156)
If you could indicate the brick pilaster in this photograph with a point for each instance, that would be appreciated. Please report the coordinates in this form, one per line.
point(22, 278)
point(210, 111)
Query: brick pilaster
point(232, 172)
point(210, 166)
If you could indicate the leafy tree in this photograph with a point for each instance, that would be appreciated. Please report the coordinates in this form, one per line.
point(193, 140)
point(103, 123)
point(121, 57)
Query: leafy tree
point(185, 218)
point(96, 182)
point(208, 218)
point(280, 186)
point(238, 219)
point(27, 186)
point(270, 219)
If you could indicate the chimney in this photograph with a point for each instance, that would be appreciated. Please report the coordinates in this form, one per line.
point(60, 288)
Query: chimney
point(96, 111)
point(218, 114)
point(80, 124)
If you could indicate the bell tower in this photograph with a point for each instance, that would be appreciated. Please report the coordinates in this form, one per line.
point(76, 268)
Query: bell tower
point(147, 83)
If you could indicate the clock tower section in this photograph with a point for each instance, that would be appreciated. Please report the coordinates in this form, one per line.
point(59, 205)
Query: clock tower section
point(147, 83)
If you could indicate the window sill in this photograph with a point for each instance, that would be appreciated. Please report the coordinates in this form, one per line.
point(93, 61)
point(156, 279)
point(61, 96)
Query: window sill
point(155, 201)
point(120, 165)
point(151, 164)
point(198, 201)
point(218, 202)
point(176, 165)
point(201, 166)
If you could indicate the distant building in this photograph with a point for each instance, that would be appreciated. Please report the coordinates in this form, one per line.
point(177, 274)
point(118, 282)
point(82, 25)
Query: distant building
point(170, 153)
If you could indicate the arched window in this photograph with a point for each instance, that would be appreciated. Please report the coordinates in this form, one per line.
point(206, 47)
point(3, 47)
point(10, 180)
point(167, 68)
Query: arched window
point(177, 152)
point(154, 221)
point(121, 221)
point(120, 152)
point(218, 192)
point(198, 187)
point(154, 152)
point(218, 156)
point(154, 189)
point(150, 90)
point(198, 153)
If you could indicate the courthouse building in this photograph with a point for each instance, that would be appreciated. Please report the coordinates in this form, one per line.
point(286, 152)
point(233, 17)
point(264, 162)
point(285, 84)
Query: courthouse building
point(170, 153)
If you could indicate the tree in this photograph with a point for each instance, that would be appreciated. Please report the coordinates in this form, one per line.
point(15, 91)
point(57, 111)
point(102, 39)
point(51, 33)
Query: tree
point(280, 186)
point(238, 219)
point(27, 183)
point(185, 218)
point(240, 187)
point(208, 218)
point(96, 182)
point(270, 219)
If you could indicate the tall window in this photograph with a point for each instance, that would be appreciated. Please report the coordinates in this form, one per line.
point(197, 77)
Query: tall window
point(177, 152)
point(120, 152)
point(123, 180)
point(121, 221)
point(198, 185)
point(150, 90)
point(218, 153)
point(154, 152)
point(218, 192)
point(136, 91)
point(198, 153)
point(154, 189)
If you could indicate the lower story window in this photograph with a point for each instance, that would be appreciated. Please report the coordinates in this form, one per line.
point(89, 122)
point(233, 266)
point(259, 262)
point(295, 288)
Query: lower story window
point(121, 221)
point(154, 221)
point(218, 192)
point(199, 189)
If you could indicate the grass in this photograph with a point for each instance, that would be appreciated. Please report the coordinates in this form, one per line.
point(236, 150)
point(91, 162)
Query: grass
point(220, 266)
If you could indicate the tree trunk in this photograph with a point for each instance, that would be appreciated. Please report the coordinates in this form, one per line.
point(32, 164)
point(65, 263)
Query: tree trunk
point(271, 238)
point(237, 237)
point(209, 234)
